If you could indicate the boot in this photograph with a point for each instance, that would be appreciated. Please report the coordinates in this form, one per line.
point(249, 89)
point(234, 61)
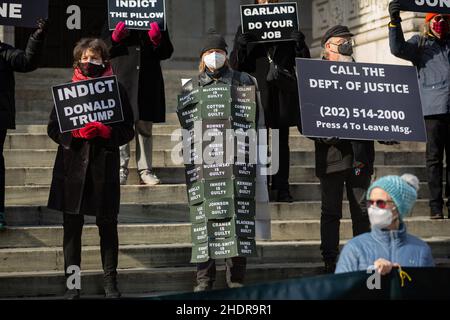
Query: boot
point(436, 215)
point(110, 286)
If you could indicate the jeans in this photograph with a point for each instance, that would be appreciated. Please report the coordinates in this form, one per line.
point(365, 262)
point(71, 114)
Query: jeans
point(2, 171)
point(438, 145)
point(144, 147)
point(332, 188)
point(235, 271)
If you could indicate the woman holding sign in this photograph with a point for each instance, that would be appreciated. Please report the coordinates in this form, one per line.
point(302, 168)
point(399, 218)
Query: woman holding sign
point(430, 53)
point(278, 89)
point(86, 173)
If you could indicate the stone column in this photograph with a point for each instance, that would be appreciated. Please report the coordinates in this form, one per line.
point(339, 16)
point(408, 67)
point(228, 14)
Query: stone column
point(7, 34)
point(368, 20)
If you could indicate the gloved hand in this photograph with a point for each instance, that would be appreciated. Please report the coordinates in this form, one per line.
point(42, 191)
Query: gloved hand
point(298, 36)
point(244, 39)
point(155, 34)
point(87, 133)
point(394, 11)
point(330, 141)
point(120, 33)
point(103, 131)
point(41, 30)
point(389, 143)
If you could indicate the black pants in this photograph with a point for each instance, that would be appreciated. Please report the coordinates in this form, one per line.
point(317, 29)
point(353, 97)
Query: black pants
point(332, 187)
point(235, 271)
point(280, 181)
point(109, 242)
point(438, 145)
point(2, 171)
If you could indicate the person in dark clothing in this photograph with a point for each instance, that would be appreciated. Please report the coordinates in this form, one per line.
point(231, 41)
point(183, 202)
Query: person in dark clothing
point(342, 163)
point(430, 53)
point(136, 60)
point(280, 102)
point(14, 60)
point(86, 172)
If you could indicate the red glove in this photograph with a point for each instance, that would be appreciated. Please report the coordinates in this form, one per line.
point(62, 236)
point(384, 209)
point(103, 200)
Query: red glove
point(88, 133)
point(102, 130)
point(155, 34)
point(120, 33)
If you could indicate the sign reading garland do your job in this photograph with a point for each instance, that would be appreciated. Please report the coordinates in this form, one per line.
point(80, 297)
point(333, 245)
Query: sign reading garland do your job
point(438, 6)
point(22, 13)
point(137, 14)
point(79, 103)
point(270, 22)
point(360, 101)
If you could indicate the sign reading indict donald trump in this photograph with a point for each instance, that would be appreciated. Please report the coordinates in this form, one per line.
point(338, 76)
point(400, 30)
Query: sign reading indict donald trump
point(270, 22)
point(436, 6)
point(137, 14)
point(22, 13)
point(79, 103)
point(360, 101)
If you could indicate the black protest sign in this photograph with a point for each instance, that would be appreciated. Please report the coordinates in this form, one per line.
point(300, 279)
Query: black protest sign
point(22, 13)
point(270, 22)
point(79, 103)
point(360, 101)
point(437, 6)
point(137, 14)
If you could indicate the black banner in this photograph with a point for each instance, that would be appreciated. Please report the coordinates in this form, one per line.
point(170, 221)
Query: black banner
point(360, 101)
point(137, 14)
point(22, 13)
point(437, 6)
point(270, 22)
point(80, 103)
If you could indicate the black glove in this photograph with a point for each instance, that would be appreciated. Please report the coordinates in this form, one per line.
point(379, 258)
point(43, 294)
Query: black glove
point(41, 30)
point(245, 38)
point(389, 143)
point(394, 11)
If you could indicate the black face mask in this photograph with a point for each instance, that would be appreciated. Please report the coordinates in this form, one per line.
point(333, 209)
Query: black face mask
point(91, 70)
point(346, 49)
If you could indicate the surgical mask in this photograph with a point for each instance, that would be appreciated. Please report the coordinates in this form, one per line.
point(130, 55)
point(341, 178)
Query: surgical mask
point(92, 69)
point(441, 27)
point(215, 60)
point(380, 218)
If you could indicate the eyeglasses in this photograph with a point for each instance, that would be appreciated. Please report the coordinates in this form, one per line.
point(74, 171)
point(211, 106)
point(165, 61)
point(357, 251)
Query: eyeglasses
point(382, 204)
point(351, 42)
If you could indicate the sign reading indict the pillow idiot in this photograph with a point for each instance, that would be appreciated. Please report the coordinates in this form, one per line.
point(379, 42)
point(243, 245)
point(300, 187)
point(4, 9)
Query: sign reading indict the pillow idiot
point(137, 14)
point(270, 22)
point(438, 6)
point(79, 103)
point(22, 13)
point(360, 101)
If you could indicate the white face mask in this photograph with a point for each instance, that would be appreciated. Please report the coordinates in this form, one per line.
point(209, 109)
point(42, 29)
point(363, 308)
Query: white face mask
point(380, 218)
point(215, 60)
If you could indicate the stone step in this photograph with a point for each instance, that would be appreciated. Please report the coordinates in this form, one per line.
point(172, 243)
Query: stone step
point(165, 233)
point(158, 129)
point(173, 255)
point(143, 281)
point(177, 213)
point(38, 195)
point(31, 176)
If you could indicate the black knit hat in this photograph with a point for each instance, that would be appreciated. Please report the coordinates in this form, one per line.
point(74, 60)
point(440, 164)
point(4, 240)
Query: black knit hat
point(336, 31)
point(213, 40)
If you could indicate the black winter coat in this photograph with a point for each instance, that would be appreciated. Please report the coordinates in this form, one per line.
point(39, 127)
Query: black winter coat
point(137, 64)
point(86, 173)
point(14, 60)
point(281, 108)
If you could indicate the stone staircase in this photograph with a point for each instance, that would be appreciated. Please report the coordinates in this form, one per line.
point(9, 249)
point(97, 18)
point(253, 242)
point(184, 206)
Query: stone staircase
point(154, 231)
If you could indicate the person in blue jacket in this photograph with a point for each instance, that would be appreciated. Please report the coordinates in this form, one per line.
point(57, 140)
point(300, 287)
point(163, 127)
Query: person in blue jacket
point(388, 245)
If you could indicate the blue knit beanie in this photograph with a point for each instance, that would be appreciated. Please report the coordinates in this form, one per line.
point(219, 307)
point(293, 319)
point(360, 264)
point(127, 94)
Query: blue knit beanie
point(402, 190)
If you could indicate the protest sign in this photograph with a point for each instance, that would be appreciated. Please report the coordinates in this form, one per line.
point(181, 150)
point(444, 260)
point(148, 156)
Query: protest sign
point(137, 14)
point(360, 101)
point(80, 103)
point(437, 6)
point(270, 22)
point(22, 13)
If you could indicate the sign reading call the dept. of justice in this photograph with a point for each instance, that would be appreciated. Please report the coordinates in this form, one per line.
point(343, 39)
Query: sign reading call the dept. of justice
point(22, 13)
point(360, 101)
point(270, 22)
point(137, 14)
point(438, 6)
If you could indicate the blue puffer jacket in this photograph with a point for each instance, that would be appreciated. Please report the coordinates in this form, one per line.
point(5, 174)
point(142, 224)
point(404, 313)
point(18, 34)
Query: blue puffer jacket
point(432, 62)
point(396, 246)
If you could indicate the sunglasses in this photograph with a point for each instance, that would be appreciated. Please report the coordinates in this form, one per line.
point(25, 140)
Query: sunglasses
point(382, 204)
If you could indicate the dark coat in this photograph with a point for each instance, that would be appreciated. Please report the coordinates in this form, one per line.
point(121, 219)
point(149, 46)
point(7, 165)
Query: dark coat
point(281, 108)
point(14, 60)
point(137, 64)
point(86, 173)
